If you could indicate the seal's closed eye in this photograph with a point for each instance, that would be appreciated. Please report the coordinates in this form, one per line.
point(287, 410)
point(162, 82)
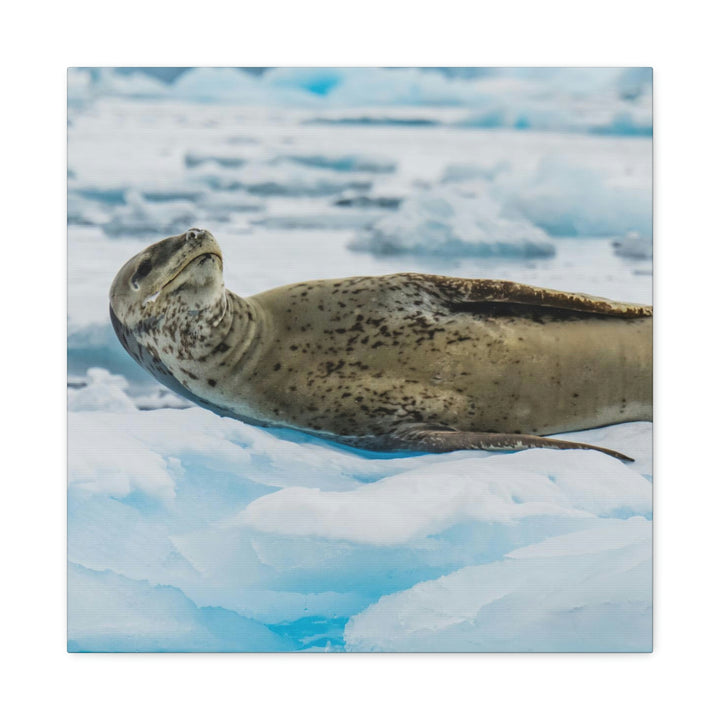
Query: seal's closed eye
point(142, 271)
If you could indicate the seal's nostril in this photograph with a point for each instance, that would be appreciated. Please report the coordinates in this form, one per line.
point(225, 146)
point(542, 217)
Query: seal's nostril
point(193, 233)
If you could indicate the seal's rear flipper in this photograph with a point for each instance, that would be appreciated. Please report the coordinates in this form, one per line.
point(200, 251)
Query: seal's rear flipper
point(447, 439)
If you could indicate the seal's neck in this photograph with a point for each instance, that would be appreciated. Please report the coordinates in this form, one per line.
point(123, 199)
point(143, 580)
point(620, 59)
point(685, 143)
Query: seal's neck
point(237, 335)
point(222, 333)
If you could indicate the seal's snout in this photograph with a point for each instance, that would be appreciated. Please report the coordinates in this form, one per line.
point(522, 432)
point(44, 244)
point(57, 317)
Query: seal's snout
point(196, 242)
point(196, 234)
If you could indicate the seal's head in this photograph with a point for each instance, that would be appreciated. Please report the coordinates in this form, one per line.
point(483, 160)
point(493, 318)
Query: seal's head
point(183, 271)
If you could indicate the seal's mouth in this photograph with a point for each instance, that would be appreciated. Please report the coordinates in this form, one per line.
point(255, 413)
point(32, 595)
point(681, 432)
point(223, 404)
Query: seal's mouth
point(201, 257)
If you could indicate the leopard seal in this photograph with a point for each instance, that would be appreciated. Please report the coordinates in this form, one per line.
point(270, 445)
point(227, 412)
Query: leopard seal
point(395, 362)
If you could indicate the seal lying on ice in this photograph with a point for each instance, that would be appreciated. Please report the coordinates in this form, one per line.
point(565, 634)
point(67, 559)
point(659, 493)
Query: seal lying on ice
point(396, 362)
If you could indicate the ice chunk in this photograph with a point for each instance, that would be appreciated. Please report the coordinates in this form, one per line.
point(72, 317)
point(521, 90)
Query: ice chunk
point(95, 344)
point(445, 222)
point(124, 194)
point(101, 461)
point(464, 73)
point(634, 82)
point(231, 85)
point(462, 172)
point(112, 195)
point(217, 202)
point(159, 399)
point(346, 163)
point(170, 194)
point(111, 613)
point(589, 591)
point(285, 180)
point(400, 86)
point(423, 502)
point(635, 246)
point(217, 85)
point(168, 75)
point(223, 160)
point(79, 86)
point(86, 84)
point(390, 120)
point(354, 200)
point(567, 199)
point(101, 391)
point(321, 221)
point(140, 217)
point(625, 123)
point(85, 212)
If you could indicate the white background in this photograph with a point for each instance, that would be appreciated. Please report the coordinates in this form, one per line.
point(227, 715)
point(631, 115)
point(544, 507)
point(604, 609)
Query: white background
point(40, 41)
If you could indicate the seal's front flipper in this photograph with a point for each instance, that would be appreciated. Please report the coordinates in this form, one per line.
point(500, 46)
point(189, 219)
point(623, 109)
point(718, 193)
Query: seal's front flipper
point(447, 439)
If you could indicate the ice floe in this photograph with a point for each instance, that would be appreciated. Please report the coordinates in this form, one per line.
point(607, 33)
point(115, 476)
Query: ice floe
point(634, 246)
point(279, 526)
point(285, 180)
point(569, 199)
point(140, 217)
point(447, 223)
point(421, 503)
point(101, 390)
point(345, 163)
point(111, 613)
point(588, 591)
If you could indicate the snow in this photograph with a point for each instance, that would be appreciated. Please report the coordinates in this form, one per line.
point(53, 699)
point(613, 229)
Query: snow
point(187, 531)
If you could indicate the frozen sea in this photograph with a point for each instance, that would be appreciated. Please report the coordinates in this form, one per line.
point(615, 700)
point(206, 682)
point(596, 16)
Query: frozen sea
point(187, 531)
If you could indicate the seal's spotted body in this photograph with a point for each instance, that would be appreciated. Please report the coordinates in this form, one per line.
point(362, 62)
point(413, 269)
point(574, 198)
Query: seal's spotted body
point(403, 361)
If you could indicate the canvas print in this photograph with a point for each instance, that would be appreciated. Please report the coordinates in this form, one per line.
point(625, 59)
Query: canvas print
point(360, 359)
